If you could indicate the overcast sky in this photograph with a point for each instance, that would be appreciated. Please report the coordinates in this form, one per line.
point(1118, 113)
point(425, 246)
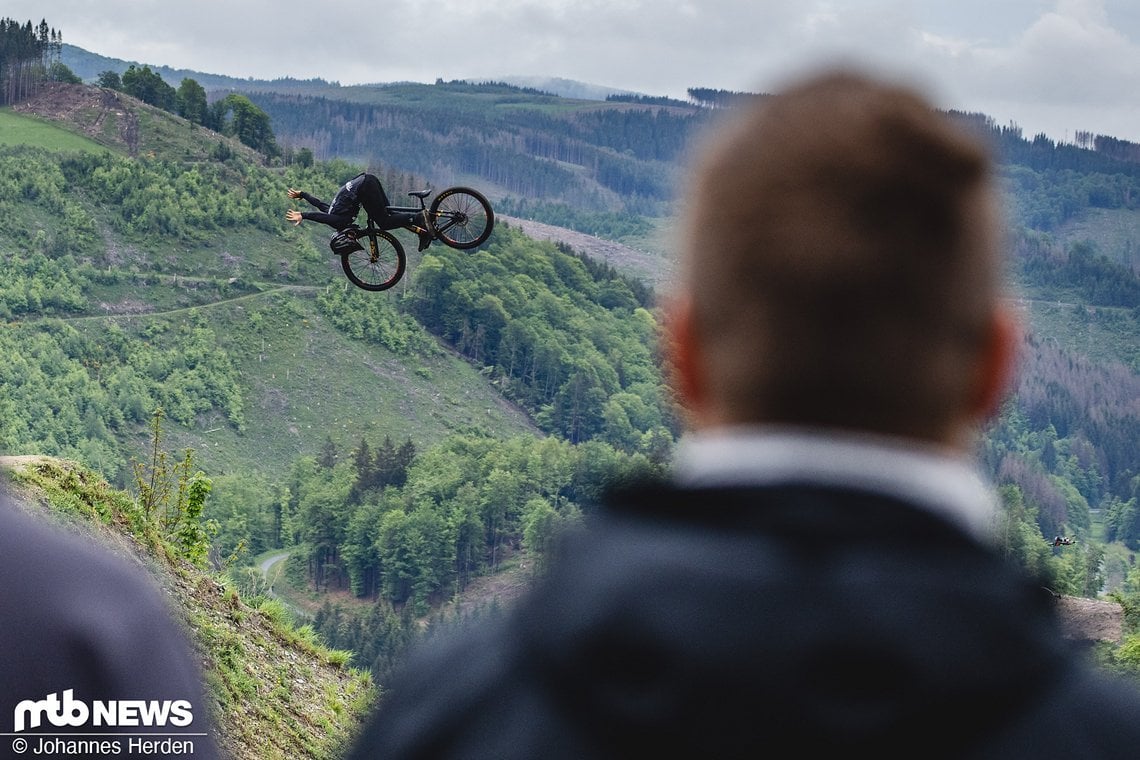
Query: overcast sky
point(1052, 66)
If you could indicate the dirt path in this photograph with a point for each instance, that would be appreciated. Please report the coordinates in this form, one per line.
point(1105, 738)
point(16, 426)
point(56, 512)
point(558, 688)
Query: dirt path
point(268, 564)
point(649, 266)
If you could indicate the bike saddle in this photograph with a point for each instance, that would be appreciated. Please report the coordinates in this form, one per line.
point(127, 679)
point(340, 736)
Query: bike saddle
point(420, 193)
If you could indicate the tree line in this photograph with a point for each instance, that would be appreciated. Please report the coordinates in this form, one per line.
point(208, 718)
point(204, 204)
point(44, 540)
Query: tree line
point(409, 529)
point(233, 115)
point(1045, 199)
point(1080, 272)
point(1066, 438)
point(709, 97)
point(567, 340)
point(27, 55)
point(599, 160)
point(624, 159)
point(1087, 152)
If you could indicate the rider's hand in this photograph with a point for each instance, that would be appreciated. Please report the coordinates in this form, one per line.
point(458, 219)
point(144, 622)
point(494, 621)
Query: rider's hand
point(294, 216)
point(294, 193)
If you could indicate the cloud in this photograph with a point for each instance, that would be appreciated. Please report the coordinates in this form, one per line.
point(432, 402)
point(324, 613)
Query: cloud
point(1063, 64)
point(1070, 55)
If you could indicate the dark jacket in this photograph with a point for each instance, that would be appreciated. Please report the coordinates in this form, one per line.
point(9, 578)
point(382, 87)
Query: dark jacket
point(728, 623)
point(344, 207)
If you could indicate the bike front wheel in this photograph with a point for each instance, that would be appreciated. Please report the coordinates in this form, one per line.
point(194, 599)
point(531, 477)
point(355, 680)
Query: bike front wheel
point(380, 265)
point(462, 217)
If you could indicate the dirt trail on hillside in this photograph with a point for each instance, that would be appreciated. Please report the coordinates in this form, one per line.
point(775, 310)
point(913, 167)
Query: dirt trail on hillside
point(1091, 619)
point(653, 268)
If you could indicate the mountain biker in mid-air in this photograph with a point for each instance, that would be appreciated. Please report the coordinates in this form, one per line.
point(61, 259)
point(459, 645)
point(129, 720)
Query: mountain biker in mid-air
point(362, 190)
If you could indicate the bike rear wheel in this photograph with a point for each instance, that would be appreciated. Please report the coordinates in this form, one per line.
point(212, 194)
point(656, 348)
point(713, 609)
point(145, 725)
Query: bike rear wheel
point(380, 265)
point(462, 217)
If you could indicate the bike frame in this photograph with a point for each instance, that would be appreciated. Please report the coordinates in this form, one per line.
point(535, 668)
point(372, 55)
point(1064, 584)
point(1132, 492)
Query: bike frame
point(412, 211)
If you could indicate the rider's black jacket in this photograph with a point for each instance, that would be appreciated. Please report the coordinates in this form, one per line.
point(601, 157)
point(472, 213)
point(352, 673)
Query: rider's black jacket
point(343, 209)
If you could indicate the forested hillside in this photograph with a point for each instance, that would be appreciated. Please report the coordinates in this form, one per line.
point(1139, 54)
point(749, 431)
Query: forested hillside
point(400, 444)
point(1080, 292)
point(601, 168)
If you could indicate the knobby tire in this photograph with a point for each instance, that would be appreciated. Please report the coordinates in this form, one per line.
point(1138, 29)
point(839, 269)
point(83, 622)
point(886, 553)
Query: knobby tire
point(380, 265)
point(462, 217)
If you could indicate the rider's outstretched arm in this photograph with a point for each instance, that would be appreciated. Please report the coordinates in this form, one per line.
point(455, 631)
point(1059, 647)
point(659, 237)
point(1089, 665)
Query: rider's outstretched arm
point(337, 221)
point(310, 199)
point(321, 215)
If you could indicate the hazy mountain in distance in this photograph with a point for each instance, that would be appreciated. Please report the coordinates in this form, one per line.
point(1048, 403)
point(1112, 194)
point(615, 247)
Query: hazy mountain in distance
point(566, 88)
point(88, 66)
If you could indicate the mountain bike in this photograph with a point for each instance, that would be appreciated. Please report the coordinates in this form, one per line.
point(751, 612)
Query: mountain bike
point(458, 217)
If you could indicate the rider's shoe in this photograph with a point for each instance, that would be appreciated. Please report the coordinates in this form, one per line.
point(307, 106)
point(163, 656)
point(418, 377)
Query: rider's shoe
point(425, 239)
point(344, 242)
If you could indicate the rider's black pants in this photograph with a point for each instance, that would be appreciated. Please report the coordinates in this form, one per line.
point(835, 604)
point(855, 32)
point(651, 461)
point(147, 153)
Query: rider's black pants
point(375, 202)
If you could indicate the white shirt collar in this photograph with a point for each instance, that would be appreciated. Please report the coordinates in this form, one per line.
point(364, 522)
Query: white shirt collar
point(922, 474)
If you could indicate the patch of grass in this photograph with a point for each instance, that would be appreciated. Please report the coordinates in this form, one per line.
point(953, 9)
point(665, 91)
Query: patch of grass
point(76, 492)
point(17, 129)
point(307, 381)
point(1114, 232)
point(302, 379)
point(1103, 334)
point(303, 637)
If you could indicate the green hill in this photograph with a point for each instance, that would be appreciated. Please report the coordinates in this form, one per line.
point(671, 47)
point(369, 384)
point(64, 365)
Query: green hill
point(133, 257)
point(115, 121)
point(180, 229)
point(162, 282)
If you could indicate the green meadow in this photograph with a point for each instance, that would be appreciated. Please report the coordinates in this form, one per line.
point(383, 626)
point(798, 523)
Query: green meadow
point(16, 129)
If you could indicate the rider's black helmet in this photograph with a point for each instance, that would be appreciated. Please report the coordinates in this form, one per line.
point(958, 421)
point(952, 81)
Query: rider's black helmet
point(344, 242)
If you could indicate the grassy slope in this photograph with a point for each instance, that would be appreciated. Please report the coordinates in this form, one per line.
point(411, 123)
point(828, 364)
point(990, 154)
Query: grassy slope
point(1104, 334)
point(278, 693)
point(365, 380)
point(109, 119)
point(1114, 232)
point(18, 129)
point(305, 380)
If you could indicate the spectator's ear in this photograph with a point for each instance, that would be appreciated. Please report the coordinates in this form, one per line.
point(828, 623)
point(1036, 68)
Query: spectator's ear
point(998, 361)
point(682, 353)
